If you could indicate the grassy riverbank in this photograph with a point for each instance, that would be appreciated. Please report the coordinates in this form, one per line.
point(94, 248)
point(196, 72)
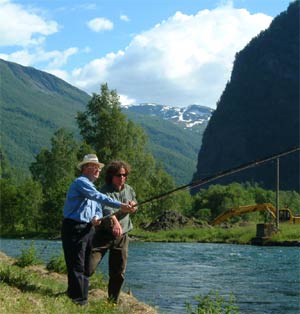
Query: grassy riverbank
point(208, 234)
point(34, 289)
point(235, 234)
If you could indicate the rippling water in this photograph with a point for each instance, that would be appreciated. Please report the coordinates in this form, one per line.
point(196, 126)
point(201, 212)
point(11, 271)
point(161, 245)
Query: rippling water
point(264, 280)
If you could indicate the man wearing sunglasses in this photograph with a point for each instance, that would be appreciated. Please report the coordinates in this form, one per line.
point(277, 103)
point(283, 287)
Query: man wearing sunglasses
point(112, 235)
point(82, 211)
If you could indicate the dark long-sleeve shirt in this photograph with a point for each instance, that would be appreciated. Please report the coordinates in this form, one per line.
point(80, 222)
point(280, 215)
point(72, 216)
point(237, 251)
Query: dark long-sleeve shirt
point(125, 195)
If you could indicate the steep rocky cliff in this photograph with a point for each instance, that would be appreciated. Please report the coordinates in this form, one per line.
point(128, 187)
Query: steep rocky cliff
point(258, 112)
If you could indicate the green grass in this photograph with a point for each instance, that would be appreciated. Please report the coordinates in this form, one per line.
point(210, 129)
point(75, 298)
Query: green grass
point(23, 290)
point(234, 234)
point(29, 302)
point(213, 303)
point(239, 235)
point(32, 289)
point(28, 257)
point(287, 232)
point(30, 281)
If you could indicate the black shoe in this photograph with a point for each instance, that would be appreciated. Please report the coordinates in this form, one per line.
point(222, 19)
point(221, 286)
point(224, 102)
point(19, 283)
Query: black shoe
point(81, 303)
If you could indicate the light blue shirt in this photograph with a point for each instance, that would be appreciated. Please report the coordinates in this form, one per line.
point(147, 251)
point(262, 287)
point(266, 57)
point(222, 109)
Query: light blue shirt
point(84, 201)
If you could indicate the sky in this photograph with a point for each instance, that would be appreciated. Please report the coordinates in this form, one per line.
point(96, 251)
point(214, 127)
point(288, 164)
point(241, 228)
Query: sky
point(170, 52)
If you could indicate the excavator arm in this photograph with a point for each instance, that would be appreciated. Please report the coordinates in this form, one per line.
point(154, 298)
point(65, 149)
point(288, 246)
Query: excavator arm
point(243, 210)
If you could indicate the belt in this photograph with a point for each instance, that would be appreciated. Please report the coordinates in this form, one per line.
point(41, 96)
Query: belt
point(75, 222)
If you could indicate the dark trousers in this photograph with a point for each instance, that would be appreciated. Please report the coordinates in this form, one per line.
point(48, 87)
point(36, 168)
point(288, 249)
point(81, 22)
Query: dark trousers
point(117, 260)
point(77, 246)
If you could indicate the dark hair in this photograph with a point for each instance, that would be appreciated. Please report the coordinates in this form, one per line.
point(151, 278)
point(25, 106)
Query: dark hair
point(114, 167)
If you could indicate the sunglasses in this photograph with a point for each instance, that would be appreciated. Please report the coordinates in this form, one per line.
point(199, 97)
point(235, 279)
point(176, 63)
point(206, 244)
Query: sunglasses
point(119, 175)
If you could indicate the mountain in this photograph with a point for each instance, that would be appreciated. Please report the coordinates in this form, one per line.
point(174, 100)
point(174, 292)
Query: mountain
point(258, 112)
point(194, 117)
point(34, 104)
point(180, 161)
point(179, 128)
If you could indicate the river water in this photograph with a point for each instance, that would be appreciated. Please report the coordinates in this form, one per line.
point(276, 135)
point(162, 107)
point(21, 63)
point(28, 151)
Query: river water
point(264, 280)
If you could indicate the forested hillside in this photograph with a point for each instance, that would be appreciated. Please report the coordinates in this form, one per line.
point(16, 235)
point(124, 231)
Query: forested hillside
point(34, 104)
point(164, 135)
point(258, 112)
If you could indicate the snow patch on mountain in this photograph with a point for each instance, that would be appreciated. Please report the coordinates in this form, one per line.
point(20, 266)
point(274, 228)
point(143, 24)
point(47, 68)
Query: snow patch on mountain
point(190, 116)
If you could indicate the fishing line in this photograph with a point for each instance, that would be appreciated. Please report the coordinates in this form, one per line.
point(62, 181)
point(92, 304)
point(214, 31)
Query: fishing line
point(220, 175)
point(205, 180)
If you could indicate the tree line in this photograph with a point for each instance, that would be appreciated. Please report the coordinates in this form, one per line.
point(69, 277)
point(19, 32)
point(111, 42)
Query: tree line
point(35, 203)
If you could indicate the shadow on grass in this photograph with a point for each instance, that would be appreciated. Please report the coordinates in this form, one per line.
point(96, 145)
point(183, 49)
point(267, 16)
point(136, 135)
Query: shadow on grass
point(17, 277)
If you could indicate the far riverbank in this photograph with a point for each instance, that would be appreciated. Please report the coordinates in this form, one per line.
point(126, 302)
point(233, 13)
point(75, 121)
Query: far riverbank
point(288, 235)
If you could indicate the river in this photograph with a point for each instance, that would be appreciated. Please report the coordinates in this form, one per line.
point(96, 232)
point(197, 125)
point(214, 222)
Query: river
point(264, 280)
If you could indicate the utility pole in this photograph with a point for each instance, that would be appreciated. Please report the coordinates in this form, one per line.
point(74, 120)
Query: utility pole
point(277, 193)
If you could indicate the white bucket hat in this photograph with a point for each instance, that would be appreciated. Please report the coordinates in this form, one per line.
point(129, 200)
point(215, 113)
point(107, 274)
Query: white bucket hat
point(90, 159)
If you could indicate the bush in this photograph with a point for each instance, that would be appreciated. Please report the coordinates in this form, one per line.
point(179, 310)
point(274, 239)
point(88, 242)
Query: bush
point(57, 264)
point(203, 214)
point(212, 303)
point(13, 276)
point(28, 257)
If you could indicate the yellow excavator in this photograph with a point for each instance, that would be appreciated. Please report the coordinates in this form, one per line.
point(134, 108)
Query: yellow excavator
point(285, 214)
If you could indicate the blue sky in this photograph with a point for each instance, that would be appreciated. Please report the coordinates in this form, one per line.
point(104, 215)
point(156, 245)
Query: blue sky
point(172, 52)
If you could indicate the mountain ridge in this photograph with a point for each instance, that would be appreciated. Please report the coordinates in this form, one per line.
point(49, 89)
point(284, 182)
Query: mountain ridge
point(258, 112)
point(30, 103)
point(34, 104)
point(189, 117)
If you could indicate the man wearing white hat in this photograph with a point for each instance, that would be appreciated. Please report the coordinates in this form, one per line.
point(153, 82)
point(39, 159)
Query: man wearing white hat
point(82, 211)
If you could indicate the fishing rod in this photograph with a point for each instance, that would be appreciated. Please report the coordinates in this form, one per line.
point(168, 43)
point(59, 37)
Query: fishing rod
point(219, 175)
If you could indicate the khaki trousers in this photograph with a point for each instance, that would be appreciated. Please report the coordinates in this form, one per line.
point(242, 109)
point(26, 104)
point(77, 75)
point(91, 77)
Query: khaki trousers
point(117, 260)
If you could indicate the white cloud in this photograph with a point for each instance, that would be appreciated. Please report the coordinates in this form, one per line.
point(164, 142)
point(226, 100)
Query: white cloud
point(94, 72)
point(100, 24)
point(124, 18)
point(53, 59)
point(21, 27)
point(59, 58)
point(22, 57)
point(126, 101)
point(183, 60)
